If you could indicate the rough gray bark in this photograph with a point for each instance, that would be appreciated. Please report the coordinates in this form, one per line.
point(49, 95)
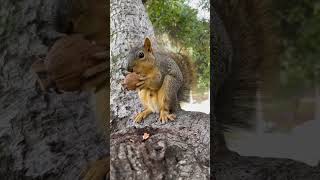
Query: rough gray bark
point(175, 150)
point(129, 26)
point(41, 137)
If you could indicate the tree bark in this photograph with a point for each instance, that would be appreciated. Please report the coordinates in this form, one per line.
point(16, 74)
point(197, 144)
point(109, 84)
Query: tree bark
point(41, 136)
point(175, 150)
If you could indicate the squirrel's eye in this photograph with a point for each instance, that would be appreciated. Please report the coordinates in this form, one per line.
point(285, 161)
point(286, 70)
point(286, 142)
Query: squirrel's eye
point(140, 54)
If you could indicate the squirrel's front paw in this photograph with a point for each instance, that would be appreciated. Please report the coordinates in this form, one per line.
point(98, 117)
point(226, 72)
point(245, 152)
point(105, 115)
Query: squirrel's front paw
point(141, 84)
point(165, 116)
point(142, 115)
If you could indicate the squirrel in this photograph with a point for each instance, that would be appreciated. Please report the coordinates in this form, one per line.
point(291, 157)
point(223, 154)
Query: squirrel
point(246, 62)
point(164, 80)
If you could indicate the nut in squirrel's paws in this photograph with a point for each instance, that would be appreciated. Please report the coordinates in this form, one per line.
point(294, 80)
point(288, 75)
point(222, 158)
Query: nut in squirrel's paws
point(131, 80)
point(165, 116)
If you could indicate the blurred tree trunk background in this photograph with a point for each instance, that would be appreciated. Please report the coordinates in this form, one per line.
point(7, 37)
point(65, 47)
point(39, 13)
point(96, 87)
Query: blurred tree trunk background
point(41, 136)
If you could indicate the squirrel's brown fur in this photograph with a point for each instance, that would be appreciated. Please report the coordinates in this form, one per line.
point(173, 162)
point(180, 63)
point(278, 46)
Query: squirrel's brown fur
point(188, 71)
point(166, 79)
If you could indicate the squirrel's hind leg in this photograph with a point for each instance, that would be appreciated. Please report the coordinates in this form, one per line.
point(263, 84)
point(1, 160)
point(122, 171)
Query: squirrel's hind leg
point(142, 115)
point(167, 98)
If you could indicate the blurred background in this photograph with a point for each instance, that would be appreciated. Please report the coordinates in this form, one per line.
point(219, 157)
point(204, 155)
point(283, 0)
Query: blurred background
point(288, 123)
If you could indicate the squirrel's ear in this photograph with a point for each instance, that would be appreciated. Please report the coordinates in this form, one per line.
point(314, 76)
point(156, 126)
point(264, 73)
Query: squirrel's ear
point(147, 45)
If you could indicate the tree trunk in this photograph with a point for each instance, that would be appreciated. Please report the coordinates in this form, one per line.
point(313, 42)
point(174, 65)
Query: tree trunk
point(41, 136)
point(175, 150)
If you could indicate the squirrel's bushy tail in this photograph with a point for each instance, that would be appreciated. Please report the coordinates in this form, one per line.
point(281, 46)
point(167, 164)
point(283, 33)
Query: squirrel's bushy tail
point(188, 71)
point(252, 58)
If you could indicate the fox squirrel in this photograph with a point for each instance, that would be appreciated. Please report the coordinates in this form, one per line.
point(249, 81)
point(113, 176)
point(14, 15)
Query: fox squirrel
point(245, 54)
point(164, 80)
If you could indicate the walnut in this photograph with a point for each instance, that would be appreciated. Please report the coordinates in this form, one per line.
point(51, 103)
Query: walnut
point(130, 81)
point(73, 63)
